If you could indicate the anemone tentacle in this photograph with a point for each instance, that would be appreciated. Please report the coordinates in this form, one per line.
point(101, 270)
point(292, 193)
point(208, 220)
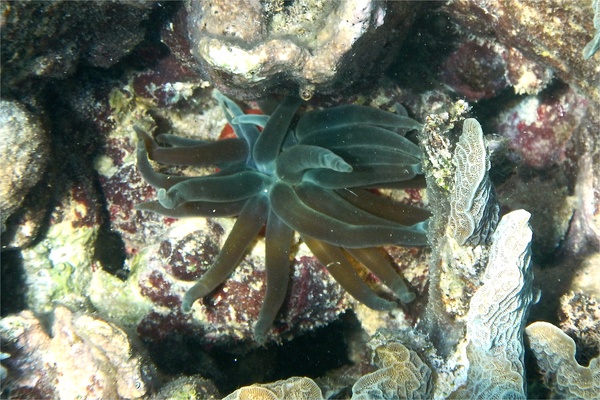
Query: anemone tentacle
point(295, 213)
point(246, 228)
point(334, 259)
point(238, 186)
point(278, 240)
point(194, 209)
point(361, 135)
point(269, 143)
point(323, 121)
point(377, 262)
point(294, 161)
point(362, 176)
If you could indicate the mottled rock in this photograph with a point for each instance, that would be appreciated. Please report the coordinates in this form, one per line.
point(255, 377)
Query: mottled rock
point(187, 388)
point(24, 153)
point(249, 48)
point(555, 355)
point(294, 388)
point(580, 318)
point(83, 357)
point(476, 71)
point(58, 267)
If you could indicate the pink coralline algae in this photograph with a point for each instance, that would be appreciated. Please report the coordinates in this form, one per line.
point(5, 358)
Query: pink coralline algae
point(539, 128)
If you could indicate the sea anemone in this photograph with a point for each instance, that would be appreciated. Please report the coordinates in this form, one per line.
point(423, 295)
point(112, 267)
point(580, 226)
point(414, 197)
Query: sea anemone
point(313, 176)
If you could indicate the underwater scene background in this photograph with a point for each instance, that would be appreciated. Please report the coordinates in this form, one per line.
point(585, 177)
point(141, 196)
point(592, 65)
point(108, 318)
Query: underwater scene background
point(300, 199)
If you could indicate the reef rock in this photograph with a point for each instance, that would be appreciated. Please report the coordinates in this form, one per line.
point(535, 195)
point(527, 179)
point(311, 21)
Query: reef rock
point(249, 48)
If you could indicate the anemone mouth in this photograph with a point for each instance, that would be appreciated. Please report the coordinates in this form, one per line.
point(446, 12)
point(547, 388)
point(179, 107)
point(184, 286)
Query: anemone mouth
point(309, 177)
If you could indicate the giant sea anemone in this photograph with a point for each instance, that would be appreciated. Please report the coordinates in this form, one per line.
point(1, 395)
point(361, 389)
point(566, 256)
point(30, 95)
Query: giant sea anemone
point(313, 176)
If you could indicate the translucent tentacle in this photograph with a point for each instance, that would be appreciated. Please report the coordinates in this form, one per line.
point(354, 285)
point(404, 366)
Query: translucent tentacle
point(292, 162)
point(332, 204)
point(268, 145)
point(247, 226)
point(357, 135)
point(367, 155)
point(153, 178)
point(334, 259)
point(210, 153)
point(376, 260)
point(248, 132)
point(297, 215)
point(277, 263)
point(233, 187)
point(364, 175)
point(384, 207)
point(349, 115)
point(194, 209)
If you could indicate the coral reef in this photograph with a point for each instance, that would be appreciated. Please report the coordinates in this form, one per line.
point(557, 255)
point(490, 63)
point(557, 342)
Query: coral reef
point(83, 357)
point(539, 128)
point(76, 240)
point(592, 47)
point(24, 154)
point(555, 354)
point(544, 32)
point(250, 48)
point(473, 207)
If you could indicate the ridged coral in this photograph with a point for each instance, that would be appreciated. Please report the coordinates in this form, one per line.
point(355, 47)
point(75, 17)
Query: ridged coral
point(294, 388)
point(401, 375)
point(473, 206)
point(555, 355)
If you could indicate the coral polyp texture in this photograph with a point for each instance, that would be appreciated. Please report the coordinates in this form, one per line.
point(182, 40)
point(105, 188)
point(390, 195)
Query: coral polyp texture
point(311, 177)
point(473, 208)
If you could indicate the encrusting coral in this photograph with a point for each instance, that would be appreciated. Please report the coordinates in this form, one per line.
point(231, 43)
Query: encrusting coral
point(310, 177)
